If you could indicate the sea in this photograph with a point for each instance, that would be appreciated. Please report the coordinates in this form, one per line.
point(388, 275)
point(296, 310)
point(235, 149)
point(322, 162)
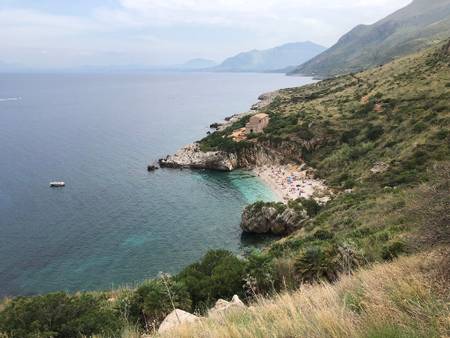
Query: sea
point(115, 224)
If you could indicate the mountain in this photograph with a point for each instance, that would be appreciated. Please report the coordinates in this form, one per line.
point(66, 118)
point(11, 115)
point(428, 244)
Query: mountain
point(197, 64)
point(273, 59)
point(408, 30)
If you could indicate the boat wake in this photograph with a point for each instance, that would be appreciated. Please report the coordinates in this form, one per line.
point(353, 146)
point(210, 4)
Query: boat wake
point(10, 99)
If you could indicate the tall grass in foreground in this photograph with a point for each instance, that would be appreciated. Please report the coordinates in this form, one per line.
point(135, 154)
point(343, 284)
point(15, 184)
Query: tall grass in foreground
point(397, 299)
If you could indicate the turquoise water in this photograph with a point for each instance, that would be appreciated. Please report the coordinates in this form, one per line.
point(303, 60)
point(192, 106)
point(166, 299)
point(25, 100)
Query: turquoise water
point(115, 223)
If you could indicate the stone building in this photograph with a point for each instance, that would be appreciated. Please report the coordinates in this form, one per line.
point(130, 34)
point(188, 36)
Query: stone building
point(257, 123)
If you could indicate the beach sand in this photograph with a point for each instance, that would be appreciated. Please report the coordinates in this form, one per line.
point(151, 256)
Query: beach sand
point(292, 181)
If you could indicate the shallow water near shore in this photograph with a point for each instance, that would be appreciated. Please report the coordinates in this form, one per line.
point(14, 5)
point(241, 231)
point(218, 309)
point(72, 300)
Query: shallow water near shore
point(114, 223)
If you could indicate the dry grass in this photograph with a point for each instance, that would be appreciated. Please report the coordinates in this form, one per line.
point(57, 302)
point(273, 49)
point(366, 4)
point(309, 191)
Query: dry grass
point(389, 300)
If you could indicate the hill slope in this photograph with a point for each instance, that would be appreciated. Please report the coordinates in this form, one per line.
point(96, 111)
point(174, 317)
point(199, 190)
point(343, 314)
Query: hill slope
point(277, 58)
point(355, 307)
point(410, 29)
point(397, 118)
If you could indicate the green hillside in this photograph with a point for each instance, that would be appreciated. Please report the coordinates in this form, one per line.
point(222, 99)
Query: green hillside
point(418, 25)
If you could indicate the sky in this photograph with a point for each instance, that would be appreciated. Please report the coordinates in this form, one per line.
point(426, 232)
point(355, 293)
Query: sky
point(45, 34)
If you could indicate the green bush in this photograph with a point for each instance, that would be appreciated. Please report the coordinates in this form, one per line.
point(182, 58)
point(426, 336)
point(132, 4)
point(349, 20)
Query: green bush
point(323, 235)
point(311, 206)
point(419, 127)
point(259, 270)
point(374, 132)
point(326, 261)
point(219, 274)
point(349, 136)
point(221, 141)
point(393, 249)
point(304, 133)
point(317, 263)
point(155, 299)
point(59, 315)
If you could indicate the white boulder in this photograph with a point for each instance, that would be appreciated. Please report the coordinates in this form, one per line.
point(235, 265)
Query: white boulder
point(175, 318)
point(223, 306)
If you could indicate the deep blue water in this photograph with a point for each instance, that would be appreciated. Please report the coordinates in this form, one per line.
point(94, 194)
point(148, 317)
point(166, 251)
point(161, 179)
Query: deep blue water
point(114, 223)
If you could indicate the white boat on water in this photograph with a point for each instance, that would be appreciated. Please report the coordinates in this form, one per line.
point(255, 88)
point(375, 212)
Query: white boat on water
point(57, 184)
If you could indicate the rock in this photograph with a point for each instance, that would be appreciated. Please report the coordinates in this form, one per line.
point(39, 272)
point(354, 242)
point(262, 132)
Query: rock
point(175, 318)
point(228, 118)
point(192, 157)
point(223, 306)
point(379, 167)
point(267, 219)
point(289, 221)
point(152, 168)
point(265, 99)
point(215, 125)
point(258, 221)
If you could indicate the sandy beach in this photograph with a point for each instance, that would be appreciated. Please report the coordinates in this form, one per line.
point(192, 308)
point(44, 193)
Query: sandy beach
point(292, 181)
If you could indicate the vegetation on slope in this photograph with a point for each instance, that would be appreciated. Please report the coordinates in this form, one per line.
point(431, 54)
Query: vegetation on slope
point(404, 299)
point(418, 25)
point(384, 134)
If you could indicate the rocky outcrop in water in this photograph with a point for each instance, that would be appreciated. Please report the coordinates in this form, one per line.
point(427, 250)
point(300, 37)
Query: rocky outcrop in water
point(274, 218)
point(253, 155)
point(192, 157)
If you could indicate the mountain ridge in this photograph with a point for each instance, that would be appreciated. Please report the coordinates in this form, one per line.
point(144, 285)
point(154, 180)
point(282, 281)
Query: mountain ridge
point(416, 26)
point(271, 59)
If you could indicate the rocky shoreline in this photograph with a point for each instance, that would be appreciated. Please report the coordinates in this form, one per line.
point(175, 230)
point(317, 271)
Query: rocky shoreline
point(264, 100)
point(191, 157)
point(278, 166)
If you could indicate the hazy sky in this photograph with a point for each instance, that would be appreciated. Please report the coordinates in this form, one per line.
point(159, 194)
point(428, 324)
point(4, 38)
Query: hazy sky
point(67, 33)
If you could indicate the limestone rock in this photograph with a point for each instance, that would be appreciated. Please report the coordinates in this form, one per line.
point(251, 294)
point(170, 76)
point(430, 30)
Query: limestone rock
point(192, 157)
point(222, 305)
point(290, 220)
point(267, 219)
point(175, 318)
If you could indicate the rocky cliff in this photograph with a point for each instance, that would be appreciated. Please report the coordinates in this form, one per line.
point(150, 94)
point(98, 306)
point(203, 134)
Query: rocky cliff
point(250, 156)
point(192, 157)
point(272, 218)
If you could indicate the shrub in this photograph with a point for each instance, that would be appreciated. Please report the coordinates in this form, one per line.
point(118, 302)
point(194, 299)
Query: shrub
point(393, 250)
point(317, 263)
point(326, 261)
point(259, 270)
point(349, 136)
point(59, 315)
point(219, 274)
point(304, 133)
point(442, 134)
point(323, 235)
point(220, 141)
point(374, 132)
point(419, 127)
point(155, 299)
point(311, 206)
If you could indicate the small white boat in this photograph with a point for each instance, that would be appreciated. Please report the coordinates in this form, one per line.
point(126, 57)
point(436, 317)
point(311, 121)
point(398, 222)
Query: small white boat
point(57, 184)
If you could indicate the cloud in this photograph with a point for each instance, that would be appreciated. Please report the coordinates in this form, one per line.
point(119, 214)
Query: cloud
point(153, 31)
